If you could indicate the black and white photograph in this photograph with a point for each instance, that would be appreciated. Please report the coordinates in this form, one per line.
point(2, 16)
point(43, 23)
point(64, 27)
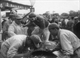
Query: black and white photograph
point(39, 28)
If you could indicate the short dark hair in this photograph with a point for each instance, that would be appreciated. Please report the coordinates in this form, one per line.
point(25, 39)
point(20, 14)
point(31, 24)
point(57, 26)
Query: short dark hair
point(41, 22)
point(53, 26)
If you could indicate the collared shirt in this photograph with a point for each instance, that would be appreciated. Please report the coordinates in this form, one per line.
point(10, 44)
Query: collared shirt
point(69, 41)
point(16, 29)
point(12, 44)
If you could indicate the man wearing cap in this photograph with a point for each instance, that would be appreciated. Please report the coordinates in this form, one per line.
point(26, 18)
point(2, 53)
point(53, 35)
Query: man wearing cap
point(17, 46)
point(69, 42)
point(42, 28)
point(16, 27)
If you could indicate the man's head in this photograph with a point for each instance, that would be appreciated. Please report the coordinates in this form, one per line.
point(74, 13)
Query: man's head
point(54, 28)
point(10, 19)
point(34, 40)
point(18, 19)
point(32, 16)
point(76, 19)
point(41, 22)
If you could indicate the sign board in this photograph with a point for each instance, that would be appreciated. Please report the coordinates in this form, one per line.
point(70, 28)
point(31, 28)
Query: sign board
point(14, 5)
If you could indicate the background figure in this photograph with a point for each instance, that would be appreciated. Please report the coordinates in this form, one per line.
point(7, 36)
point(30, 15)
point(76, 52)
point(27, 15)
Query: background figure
point(70, 24)
point(16, 27)
point(5, 27)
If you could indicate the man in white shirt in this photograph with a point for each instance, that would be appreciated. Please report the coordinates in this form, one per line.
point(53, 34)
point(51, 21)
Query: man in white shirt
point(10, 47)
point(16, 27)
point(68, 40)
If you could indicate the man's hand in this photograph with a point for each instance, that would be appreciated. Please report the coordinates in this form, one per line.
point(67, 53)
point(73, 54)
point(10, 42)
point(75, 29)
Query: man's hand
point(50, 45)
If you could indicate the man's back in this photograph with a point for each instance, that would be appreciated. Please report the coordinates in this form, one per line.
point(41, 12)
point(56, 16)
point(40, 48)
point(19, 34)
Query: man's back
point(10, 46)
point(69, 37)
point(15, 39)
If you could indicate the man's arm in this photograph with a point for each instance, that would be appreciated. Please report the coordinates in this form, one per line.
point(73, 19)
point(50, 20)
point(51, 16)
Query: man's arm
point(35, 31)
point(46, 34)
point(66, 44)
point(11, 31)
point(12, 52)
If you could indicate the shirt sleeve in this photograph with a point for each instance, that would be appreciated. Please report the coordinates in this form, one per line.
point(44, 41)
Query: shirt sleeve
point(46, 34)
point(35, 31)
point(11, 31)
point(13, 50)
point(66, 44)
